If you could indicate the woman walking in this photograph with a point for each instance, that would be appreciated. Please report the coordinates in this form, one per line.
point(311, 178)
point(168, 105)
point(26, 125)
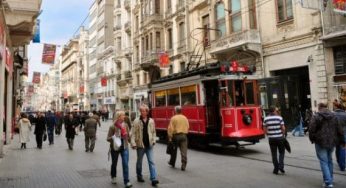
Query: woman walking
point(119, 130)
point(24, 126)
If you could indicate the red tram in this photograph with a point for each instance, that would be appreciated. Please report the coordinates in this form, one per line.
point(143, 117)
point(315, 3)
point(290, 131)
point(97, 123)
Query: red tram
point(220, 103)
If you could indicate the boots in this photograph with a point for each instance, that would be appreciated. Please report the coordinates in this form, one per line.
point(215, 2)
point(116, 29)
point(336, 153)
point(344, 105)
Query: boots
point(22, 146)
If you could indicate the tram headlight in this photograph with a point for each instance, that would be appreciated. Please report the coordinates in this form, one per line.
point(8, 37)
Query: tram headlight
point(247, 119)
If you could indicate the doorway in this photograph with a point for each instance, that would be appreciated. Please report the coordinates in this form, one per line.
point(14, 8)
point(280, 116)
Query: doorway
point(289, 90)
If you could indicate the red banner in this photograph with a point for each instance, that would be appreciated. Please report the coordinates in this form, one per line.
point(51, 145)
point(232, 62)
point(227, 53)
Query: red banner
point(104, 81)
point(48, 55)
point(81, 89)
point(164, 60)
point(339, 6)
point(36, 77)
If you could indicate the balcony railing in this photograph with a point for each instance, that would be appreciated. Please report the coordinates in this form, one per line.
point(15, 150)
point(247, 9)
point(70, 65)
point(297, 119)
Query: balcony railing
point(128, 74)
point(117, 27)
point(182, 48)
point(150, 57)
point(118, 76)
point(149, 19)
point(235, 40)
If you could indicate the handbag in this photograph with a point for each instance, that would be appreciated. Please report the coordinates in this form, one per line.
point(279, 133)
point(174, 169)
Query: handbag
point(44, 136)
point(287, 145)
point(170, 148)
point(116, 142)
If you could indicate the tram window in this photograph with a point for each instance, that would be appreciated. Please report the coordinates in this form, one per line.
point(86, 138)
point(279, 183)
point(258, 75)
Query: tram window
point(239, 94)
point(160, 98)
point(230, 92)
point(188, 95)
point(250, 98)
point(173, 97)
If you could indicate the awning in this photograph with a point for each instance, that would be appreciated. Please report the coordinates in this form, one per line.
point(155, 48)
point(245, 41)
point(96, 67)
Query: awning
point(334, 35)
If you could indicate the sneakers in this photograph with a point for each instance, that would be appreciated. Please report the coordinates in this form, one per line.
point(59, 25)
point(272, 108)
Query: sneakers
point(327, 185)
point(154, 183)
point(128, 185)
point(114, 181)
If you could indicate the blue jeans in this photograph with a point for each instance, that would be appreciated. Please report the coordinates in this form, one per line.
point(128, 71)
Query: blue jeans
point(299, 129)
point(150, 156)
point(324, 155)
point(50, 131)
point(125, 163)
point(340, 154)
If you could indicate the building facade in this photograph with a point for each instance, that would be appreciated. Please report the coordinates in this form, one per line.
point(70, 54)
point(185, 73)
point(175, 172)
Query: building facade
point(17, 21)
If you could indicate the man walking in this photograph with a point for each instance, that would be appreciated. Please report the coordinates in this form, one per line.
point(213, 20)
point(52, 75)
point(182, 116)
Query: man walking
point(40, 129)
point(339, 150)
point(70, 127)
point(143, 139)
point(326, 133)
point(177, 133)
point(51, 123)
point(90, 128)
point(274, 127)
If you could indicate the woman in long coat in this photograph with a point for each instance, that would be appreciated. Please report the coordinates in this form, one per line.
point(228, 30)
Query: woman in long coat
point(70, 127)
point(24, 126)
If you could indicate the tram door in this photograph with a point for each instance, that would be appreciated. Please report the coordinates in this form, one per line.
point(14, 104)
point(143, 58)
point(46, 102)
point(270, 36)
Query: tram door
point(212, 106)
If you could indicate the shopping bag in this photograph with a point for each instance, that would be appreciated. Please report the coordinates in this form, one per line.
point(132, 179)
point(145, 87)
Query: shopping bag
point(287, 145)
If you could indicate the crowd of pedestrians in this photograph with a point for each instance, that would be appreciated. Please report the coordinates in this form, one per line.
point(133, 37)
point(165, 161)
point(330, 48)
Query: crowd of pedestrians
point(124, 134)
point(327, 131)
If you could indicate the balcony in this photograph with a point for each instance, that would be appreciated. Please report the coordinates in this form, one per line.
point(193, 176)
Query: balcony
point(249, 39)
point(128, 75)
point(168, 13)
point(127, 52)
point(118, 76)
point(100, 71)
point(128, 27)
point(149, 60)
point(20, 18)
point(198, 4)
point(151, 19)
point(182, 48)
point(127, 5)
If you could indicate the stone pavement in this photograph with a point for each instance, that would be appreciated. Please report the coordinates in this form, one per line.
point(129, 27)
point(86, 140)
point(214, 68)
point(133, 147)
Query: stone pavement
point(56, 166)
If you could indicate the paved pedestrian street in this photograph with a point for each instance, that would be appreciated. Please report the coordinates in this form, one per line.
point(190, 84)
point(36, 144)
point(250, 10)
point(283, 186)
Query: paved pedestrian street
point(56, 166)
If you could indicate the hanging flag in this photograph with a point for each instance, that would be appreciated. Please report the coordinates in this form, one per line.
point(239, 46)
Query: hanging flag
point(48, 55)
point(81, 89)
point(103, 81)
point(339, 6)
point(36, 38)
point(36, 78)
point(164, 60)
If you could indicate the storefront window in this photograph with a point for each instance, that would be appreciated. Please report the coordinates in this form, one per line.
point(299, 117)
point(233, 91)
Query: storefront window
point(173, 97)
point(188, 95)
point(160, 98)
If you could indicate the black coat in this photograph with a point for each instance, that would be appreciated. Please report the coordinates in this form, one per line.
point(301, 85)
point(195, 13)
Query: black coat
point(70, 126)
point(41, 125)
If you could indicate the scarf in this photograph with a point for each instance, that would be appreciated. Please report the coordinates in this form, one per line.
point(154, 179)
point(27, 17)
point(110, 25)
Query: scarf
point(120, 125)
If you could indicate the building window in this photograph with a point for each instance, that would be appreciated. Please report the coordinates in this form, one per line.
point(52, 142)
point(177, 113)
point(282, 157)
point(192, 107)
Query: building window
point(182, 66)
point(119, 44)
point(170, 39)
point(284, 10)
point(158, 40)
point(137, 23)
point(340, 59)
point(137, 54)
point(252, 14)
point(206, 31)
point(181, 34)
point(151, 41)
point(157, 6)
point(170, 69)
point(220, 19)
point(169, 6)
point(145, 78)
point(146, 43)
point(235, 15)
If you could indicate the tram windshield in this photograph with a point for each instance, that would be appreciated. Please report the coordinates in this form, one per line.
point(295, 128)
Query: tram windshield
point(238, 93)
